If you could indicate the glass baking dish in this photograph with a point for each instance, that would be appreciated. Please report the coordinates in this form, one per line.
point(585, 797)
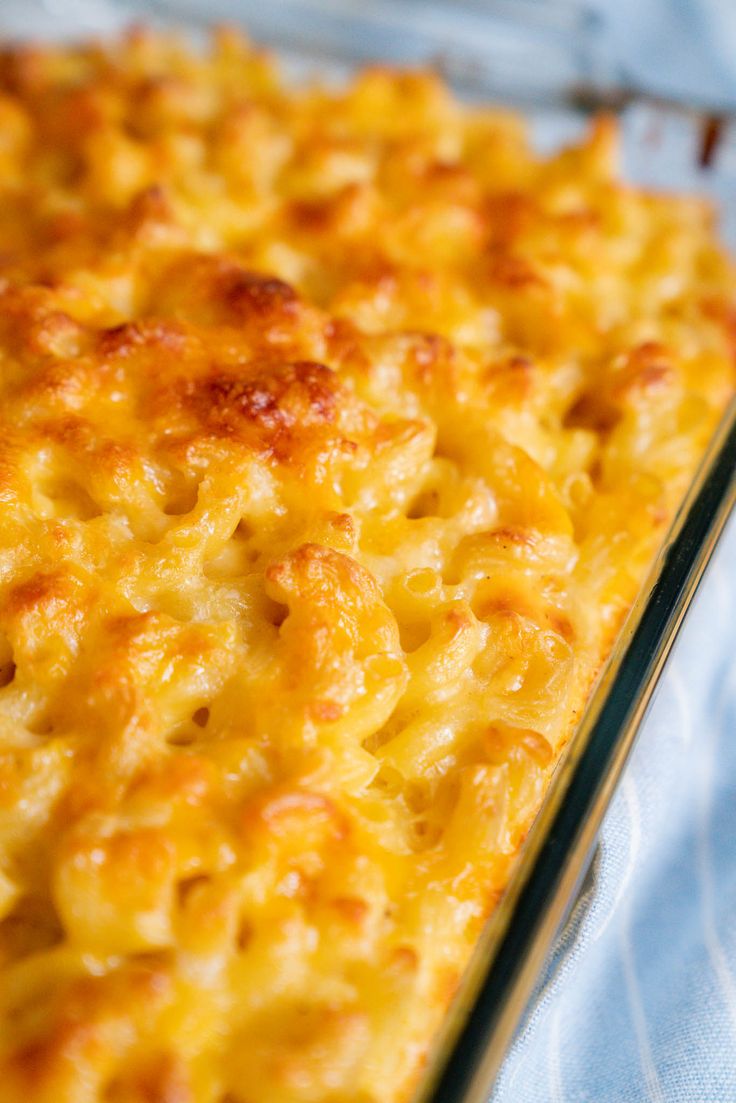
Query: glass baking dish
point(549, 60)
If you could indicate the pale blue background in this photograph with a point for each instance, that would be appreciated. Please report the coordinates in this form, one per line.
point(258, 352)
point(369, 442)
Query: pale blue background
point(677, 46)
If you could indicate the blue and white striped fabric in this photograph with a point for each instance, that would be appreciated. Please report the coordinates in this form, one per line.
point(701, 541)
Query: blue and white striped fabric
point(641, 1001)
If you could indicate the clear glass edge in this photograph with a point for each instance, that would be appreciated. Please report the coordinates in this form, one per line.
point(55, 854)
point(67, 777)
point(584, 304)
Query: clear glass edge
point(462, 1070)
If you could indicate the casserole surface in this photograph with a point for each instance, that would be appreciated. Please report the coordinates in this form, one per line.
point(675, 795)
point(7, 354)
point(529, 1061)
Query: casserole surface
point(339, 431)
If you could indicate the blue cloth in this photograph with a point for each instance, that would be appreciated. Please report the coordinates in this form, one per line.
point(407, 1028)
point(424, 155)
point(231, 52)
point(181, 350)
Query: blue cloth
point(676, 47)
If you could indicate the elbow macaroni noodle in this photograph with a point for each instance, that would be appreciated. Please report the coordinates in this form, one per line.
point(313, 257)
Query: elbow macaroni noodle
point(338, 431)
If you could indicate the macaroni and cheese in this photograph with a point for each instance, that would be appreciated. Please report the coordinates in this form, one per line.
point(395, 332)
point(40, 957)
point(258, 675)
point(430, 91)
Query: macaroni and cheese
point(338, 429)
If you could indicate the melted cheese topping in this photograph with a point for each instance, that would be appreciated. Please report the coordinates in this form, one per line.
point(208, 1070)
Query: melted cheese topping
point(338, 430)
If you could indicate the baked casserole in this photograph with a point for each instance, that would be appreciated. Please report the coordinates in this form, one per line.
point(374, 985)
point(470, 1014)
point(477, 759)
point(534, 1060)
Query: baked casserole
point(338, 431)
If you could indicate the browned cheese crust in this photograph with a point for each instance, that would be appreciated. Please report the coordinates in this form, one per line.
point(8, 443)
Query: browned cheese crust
point(337, 430)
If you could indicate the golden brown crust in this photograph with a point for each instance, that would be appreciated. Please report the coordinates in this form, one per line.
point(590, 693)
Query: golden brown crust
point(337, 430)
